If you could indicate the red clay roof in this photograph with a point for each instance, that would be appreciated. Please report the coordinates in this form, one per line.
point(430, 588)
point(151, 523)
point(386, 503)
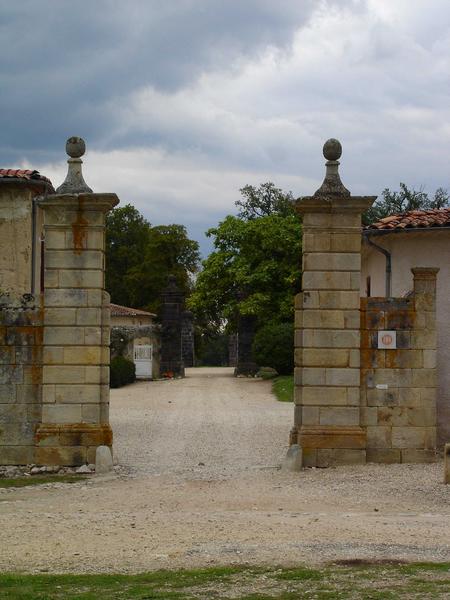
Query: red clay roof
point(414, 219)
point(124, 311)
point(23, 174)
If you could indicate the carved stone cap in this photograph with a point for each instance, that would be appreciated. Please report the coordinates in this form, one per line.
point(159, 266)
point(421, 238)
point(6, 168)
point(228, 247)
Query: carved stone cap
point(92, 202)
point(74, 182)
point(332, 184)
point(333, 204)
point(333, 196)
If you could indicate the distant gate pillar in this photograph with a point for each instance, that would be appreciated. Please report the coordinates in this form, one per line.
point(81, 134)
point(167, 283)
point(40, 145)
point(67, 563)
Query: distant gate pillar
point(172, 312)
point(327, 319)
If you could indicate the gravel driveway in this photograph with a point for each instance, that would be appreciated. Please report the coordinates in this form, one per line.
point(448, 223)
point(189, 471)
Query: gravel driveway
point(199, 485)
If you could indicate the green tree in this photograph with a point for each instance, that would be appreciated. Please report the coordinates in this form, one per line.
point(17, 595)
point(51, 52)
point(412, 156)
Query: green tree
point(139, 258)
point(404, 200)
point(257, 252)
point(127, 236)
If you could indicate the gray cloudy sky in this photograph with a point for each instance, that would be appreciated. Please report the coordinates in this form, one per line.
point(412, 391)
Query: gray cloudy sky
point(182, 102)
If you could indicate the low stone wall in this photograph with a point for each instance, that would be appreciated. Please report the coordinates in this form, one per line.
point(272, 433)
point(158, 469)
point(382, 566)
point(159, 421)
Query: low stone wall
point(21, 336)
point(398, 386)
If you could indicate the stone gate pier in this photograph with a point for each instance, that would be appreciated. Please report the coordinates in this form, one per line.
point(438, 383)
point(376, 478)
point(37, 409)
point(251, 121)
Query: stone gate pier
point(365, 382)
point(54, 322)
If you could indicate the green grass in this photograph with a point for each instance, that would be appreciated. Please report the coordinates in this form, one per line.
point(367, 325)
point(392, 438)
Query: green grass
point(365, 581)
point(283, 388)
point(19, 482)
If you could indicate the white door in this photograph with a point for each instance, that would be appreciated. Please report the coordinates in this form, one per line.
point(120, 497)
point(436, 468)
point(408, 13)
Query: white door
point(143, 357)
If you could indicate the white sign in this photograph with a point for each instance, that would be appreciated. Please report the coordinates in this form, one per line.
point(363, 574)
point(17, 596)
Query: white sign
point(387, 340)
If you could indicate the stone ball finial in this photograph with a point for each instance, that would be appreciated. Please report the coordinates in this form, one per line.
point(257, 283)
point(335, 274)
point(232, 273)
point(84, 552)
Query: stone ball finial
point(75, 147)
point(332, 149)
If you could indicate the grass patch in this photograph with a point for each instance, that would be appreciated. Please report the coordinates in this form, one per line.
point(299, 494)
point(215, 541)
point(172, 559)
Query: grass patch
point(283, 388)
point(363, 582)
point(19, 482)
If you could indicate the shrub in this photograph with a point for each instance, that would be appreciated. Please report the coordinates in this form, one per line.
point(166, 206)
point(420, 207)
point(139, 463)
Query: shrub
point(122, 371)
point(273, 346)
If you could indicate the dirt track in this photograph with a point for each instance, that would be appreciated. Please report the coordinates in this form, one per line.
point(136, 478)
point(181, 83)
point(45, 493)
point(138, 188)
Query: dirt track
point(169, 510)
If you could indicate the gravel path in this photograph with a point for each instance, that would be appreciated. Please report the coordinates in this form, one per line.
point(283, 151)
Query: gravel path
point(165, 509)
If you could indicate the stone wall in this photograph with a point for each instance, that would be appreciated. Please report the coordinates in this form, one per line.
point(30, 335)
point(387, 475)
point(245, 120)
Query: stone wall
point(21, 334)
point(398, 386)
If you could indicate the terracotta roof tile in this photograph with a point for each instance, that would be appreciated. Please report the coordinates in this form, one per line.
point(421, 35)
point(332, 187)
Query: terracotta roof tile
point(414, 219)
point(23, 174)
point(124, 311)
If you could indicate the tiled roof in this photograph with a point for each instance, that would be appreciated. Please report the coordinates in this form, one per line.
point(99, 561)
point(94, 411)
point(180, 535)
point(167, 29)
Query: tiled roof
point(414, 219)
point(23, 174)
point(124, 311)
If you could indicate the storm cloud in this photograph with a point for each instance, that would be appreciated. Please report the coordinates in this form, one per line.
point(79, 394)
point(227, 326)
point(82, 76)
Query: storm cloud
point(182, 103)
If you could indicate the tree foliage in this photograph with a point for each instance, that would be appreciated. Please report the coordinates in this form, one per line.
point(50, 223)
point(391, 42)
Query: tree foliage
point(139, 258)
point(273, 346)
point(257, 253)
point(404, 200)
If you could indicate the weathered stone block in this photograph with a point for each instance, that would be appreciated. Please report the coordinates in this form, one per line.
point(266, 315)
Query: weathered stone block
point(63, 374)
point(61, 413)
point(86, 259)
point(316, 242)
point(403, 359)
point(327, 457)
point(369, 416)
point(62, 455)
point(93, 336)
point(411, 455)
point(89, 316)
point(66, 298)
point(332, 437)
point(16, 455)
point(429, 359)
point(326, 280)
point(325, 396)
point(393, 415)
point(345, 242)
point(310, 415)
point(61, 336)
point(338, 299)
point(90, 413)
point(327, 319)
point(16, 433)
point(53, 355)
point(330, 339)
point(325, 357)
point(60, 316)
point(424, 378)
point(82, 355)
point(81, 279)
point(336, 261)
point(423, 340)
point(7, 393)
point(313, 376)
point(48, 393)
point(55, 239)
point(379, 437)
point(10, 374)
point(344, 377)
point(414, 437)
point(84, 394)
point(28, 393)
point(386, 456)
point(341, 416)
point(95, 298)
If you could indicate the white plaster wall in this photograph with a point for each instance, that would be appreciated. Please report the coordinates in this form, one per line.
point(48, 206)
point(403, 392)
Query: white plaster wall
point(418, 249)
